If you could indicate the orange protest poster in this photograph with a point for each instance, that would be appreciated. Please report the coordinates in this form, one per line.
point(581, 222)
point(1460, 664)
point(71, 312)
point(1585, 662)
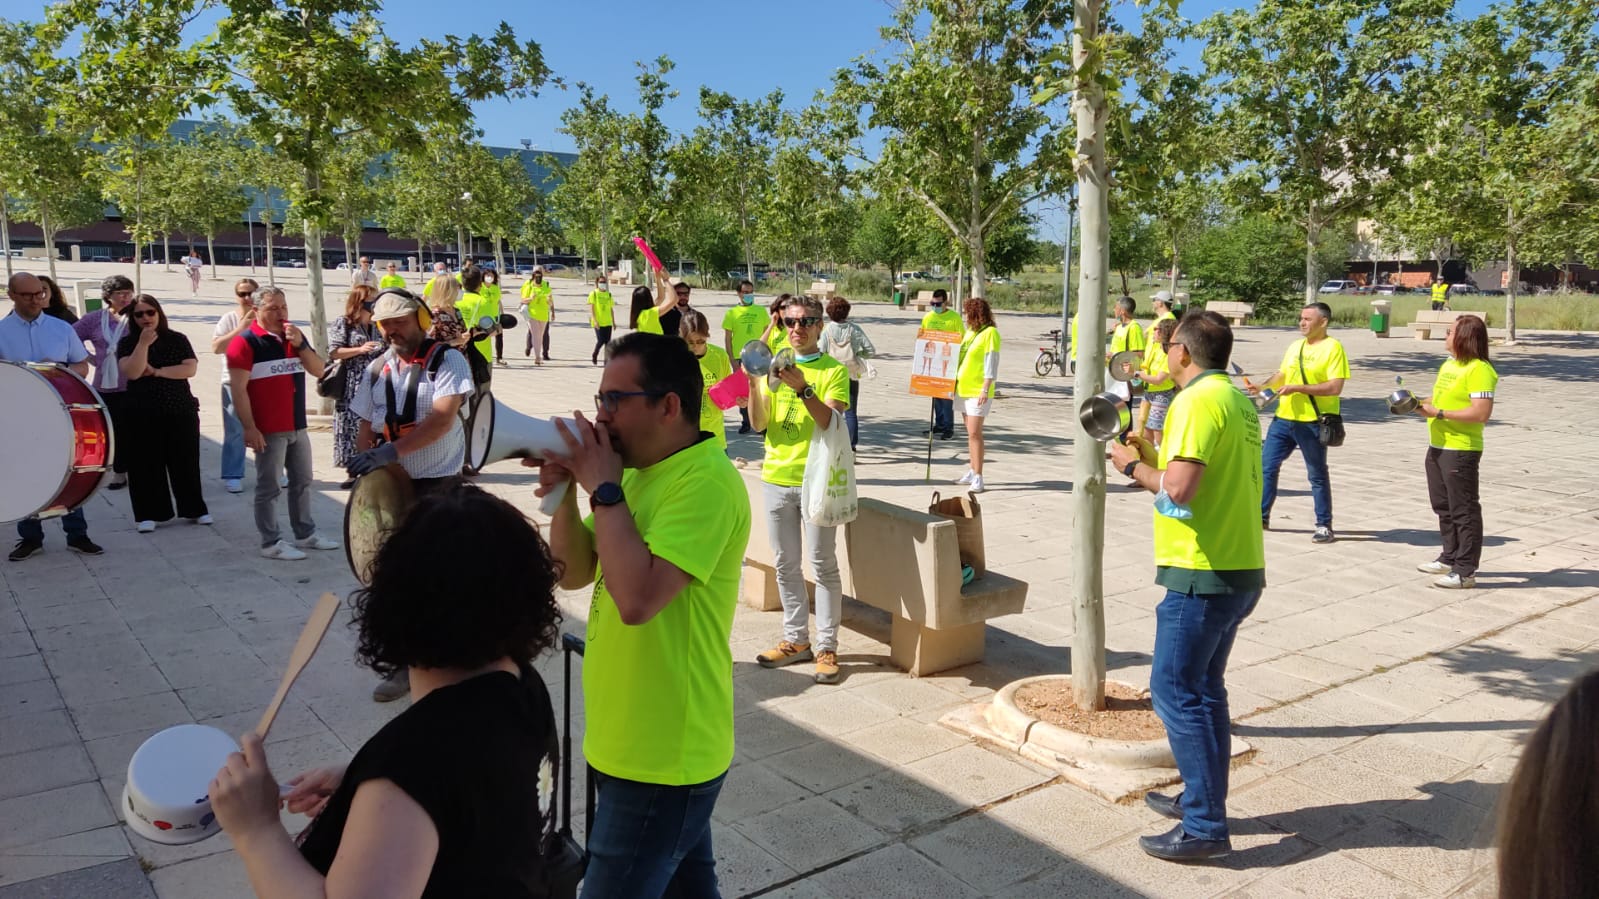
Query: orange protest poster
point(934, 362)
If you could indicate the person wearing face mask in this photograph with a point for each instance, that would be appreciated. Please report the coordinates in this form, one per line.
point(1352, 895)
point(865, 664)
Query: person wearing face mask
point(808, 395)
point(602, 316)
point(740, 325)
point(1210, 556)
point(536, 306)
point(940, 317)
point(714, 366)
point(103, 330)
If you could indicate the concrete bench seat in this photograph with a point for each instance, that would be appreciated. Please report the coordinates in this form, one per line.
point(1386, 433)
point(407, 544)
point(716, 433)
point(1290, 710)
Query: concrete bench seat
point(924, 299)
point(1237, 314)
point(823, 290)
point(906, 563)
point(1430, 321)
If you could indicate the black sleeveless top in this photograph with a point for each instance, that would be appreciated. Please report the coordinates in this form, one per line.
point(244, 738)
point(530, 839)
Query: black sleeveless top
point(482, 759)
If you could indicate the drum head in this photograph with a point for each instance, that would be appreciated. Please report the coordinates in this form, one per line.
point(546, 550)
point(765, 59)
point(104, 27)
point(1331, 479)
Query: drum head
point(36, 442)
point(377, 505)
point(1119, 365)
point(479, 434)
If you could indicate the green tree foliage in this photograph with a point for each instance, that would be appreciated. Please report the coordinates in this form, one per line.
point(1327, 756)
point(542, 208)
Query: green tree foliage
point(1252, 258)
point(738, 136)
point(582, 204)
point(1134, 244)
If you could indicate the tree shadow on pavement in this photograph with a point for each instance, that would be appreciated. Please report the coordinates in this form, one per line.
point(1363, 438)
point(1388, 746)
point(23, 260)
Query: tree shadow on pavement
point(1512, 673)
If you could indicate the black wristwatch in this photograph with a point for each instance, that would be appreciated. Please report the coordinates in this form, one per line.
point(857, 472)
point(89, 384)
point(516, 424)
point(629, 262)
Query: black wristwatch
point(607, 494)
point(809, 393)
point(1130, 468)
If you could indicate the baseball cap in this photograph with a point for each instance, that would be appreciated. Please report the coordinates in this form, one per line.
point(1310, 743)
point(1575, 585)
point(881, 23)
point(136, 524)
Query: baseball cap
point(395, 304)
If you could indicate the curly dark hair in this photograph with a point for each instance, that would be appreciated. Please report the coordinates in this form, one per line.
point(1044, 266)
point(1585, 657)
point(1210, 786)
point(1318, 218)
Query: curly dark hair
point(431, 606)
point(978, 314)
point(838, 309)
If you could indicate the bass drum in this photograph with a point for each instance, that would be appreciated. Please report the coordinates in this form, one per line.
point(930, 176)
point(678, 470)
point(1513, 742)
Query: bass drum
point(56, 440)
point(378, 503)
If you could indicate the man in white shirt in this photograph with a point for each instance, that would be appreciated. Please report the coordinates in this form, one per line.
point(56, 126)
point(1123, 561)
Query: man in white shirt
point(364, 274)
point(28, 335)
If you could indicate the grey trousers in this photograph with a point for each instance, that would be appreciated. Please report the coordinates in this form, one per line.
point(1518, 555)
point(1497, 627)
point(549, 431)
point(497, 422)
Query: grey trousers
point(288, 451)
point(784, 526)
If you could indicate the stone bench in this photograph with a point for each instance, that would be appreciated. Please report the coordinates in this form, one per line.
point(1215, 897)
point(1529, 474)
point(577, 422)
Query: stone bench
point(907, 563)
point(1237, 314)
point(823, 290)
point(1429, 320)
point(924, 299)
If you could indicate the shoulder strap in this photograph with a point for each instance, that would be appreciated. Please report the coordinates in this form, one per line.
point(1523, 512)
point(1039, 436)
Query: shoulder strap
point(1306, 378)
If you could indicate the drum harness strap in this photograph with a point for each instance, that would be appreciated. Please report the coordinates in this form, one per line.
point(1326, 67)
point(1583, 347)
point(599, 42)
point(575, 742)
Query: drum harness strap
point(398, 420)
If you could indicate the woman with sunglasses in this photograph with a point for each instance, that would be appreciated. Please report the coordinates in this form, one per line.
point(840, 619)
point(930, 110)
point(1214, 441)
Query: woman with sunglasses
point(976, 373)
point(354, 340)
point(164, 446)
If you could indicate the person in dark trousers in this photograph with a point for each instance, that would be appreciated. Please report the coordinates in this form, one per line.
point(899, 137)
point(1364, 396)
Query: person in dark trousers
point(1210, 556)
point(1462, 402)
point(164, 442)
point(942, 318)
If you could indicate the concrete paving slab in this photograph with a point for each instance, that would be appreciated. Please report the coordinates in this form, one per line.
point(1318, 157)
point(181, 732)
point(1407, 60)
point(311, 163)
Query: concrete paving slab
point(889, 873)
point(122, 879)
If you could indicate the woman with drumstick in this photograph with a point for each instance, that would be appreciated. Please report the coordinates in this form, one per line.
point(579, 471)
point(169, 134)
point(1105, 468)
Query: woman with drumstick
point(455, 796)
point(164, 419)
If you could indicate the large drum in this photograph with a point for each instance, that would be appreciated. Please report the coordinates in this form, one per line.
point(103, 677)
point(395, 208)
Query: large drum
point(56, 440)
point(377, 505)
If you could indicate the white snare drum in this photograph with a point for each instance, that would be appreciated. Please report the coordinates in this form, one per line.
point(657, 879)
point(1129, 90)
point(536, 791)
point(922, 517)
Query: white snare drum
point(56, 440)
point(167, 799)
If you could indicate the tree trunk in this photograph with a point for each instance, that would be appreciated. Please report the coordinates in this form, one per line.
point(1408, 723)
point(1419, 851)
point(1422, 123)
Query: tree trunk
point(1123, 273)
point(313, 277)
point(5, 233)
point(166, 252)
point(1312, 263)
point(1513, 276)
point(271, 267)
point(979, 246)
point(1087, 524)
point(421, 263)
point(211, 250)
point(49, 233)
point(138, 213)
point(499, 253)
point(349, 249)
point(585, 257)
point(1176, 257)
point(460, 247)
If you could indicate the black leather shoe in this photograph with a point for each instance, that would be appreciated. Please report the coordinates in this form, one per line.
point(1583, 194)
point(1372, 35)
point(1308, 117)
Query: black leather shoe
point(25, 548)
point(1176, 845)
point(1170, 806)
point(85, 545)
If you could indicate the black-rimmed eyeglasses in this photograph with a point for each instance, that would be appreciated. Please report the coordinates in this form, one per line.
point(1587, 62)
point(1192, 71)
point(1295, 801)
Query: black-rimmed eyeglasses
point(611, 400)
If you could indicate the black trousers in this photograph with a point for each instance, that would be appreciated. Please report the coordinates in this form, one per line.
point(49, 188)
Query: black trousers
point(499, 346)
point(602, 336)
point(1452, 487)
point(548, 327)
point(164, 464)
point(116, 405)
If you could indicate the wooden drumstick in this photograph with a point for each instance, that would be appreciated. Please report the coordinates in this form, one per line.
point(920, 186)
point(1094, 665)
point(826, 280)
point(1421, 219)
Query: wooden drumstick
point(310, 637)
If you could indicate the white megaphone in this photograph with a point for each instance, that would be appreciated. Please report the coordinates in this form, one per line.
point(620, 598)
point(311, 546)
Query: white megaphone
point(496, 432)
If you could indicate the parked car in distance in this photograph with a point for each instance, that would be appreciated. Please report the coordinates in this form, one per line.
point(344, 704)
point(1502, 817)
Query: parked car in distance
point(1338, 286)
point(915, 276)
point(1464, 289)
point(524, 270)
point(99, 258)
point(554, 267)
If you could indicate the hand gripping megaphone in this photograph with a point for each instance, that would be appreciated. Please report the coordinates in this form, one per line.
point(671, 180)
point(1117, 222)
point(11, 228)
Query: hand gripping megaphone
point(496, 432)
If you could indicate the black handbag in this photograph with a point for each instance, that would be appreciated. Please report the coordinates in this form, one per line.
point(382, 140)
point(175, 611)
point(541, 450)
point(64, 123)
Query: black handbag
point(1329, 427)
point(335, 377)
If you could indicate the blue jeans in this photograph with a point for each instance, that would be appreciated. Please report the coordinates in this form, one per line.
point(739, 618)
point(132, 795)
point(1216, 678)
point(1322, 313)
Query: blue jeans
point(850, 420)
point(649, 840)
point(72, 524)
point(943, 416)
point(1193, 637)
point(1281, 439)
point(232, 438)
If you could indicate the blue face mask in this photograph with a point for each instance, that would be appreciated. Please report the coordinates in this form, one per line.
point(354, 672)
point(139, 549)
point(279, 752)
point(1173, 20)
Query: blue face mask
point(747, 298)
point(937, 307)
point(810, 358)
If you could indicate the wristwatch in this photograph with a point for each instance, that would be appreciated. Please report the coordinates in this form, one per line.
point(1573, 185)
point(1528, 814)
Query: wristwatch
point(1130, 468)
point(809, 393)
point(607, 494)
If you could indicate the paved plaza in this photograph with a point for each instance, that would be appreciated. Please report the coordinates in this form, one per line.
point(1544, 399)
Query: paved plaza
point(1386, 714)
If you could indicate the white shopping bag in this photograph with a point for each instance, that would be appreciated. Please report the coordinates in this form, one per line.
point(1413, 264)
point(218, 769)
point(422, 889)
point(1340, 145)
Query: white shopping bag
point(827, 496)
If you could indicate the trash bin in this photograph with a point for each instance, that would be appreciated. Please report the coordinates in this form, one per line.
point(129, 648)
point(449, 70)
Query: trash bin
point(899, 295)
point(1380, 312)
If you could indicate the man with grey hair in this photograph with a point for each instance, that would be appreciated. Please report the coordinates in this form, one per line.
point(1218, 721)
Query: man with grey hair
point(267, 363)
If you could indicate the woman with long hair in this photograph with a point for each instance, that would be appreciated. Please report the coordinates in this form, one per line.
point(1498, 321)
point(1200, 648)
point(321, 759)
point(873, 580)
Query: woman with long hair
point(456, 795)
point(695, 330)
point(354, 340)
point(1549, 816)
point(1462, 401)
point(845, 341)
point(58, 307)
point(164, 439)
point(645, 313)
point(976, 373)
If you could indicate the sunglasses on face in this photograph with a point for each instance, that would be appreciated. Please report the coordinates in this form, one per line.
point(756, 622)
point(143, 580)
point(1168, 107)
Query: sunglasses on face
point(145, 313)
point(611, 400)
point(808, 321)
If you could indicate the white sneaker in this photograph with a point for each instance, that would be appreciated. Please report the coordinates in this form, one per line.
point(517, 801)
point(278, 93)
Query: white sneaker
point(976, 483)
point(203, 519)
point(1433, 567)
point(283, 552)
point(146, 527)
point(283, 480)
point(234, 485)
point(316, 541)
point(967, 477)
point(1454, 581)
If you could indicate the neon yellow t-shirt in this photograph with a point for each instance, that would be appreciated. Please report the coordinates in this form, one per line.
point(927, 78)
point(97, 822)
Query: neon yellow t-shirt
point(1149, 333)
point(789, 424)
point(388, 281)
point(746, 323)
point(1458, 383)
point(537, 297)
point(492, 293)
point(778, 338)
point(1220, 549)
point(666, 686)
point(474, 306)
point(601, 309)
point(1324, 361)
point(1127, 337)
point(948, 320)
point(973, 367)
point(649, 321)
point(714, 365)
point(1155, 363)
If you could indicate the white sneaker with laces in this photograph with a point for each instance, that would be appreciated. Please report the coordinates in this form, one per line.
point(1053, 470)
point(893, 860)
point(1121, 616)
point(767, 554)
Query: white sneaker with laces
point(976, 483)
point(316, 541)
point(234, 485)
point(282, 551)
point(1454, 581)
point(967, 477)
point(203, 519)
point(1433, 567)
point(146, 527)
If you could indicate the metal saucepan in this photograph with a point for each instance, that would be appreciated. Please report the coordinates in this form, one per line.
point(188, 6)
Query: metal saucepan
point(783, 359)
point(1105, 416)
point(1402, 401)
point(756, 357)
point(1124, 365)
